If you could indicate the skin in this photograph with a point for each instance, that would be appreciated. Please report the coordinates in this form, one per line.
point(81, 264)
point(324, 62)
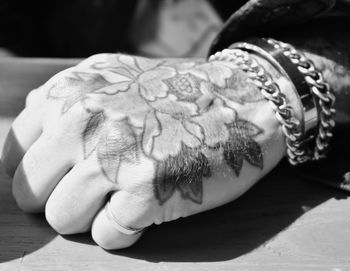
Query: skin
point(180, 167)
point(159, 139)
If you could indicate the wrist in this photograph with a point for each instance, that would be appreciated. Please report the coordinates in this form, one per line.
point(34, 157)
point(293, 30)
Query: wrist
point(244, 96)
point(285, 85)
point(274, 139)
point(303, 86)
point(303, 142)
point(338, 77)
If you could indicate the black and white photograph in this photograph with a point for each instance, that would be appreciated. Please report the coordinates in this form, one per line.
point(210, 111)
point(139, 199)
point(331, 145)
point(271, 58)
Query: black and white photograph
point(175, 135)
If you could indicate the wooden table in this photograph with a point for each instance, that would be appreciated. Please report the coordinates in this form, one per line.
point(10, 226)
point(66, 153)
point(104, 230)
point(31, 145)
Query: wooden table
point(283, 223)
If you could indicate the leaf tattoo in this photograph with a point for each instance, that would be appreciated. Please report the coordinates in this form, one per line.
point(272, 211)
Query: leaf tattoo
point(74, 88)
point(239, 89)
point(117, 144)
point(183, 172)
point(120, 70)
point(151, 129)
point(91, 132)
point(241, 145)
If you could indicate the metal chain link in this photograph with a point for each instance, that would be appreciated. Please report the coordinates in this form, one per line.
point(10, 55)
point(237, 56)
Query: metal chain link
point(291, 126)
point(321, 91)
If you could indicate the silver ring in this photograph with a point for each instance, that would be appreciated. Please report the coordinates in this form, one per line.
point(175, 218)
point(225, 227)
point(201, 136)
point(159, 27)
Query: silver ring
point(116, 224)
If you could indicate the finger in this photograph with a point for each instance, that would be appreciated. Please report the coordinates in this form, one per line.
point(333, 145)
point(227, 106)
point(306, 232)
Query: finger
point(77, 198)
point(41, 168)
point(120, 223)
point(25, 130)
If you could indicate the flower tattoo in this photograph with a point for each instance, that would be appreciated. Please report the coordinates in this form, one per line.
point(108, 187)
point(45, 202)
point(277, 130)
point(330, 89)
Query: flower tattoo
point(182, 112)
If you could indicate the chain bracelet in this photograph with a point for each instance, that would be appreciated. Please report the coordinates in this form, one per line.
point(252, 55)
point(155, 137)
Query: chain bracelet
point(271, 91)
point(320, 89)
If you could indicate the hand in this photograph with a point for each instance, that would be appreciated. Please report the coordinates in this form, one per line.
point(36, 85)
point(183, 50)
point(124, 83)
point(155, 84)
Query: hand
point(157, 139)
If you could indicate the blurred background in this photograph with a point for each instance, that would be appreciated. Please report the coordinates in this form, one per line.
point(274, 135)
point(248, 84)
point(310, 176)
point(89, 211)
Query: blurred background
point(80, 28)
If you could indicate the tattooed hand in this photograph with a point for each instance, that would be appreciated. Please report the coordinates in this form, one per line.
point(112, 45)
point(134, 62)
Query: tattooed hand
point(159, 139)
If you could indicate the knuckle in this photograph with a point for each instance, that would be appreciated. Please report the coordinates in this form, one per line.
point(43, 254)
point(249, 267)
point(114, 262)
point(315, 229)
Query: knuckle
point(95, 58)
point(8, 167)
point(25, 200)
point(57, 219)
point(33, 97)
point(76, 111)
point(7, 157)
point(27, 207)
point(65, 127)
point(73, 124)
point(25, 196)
point(72, 118)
